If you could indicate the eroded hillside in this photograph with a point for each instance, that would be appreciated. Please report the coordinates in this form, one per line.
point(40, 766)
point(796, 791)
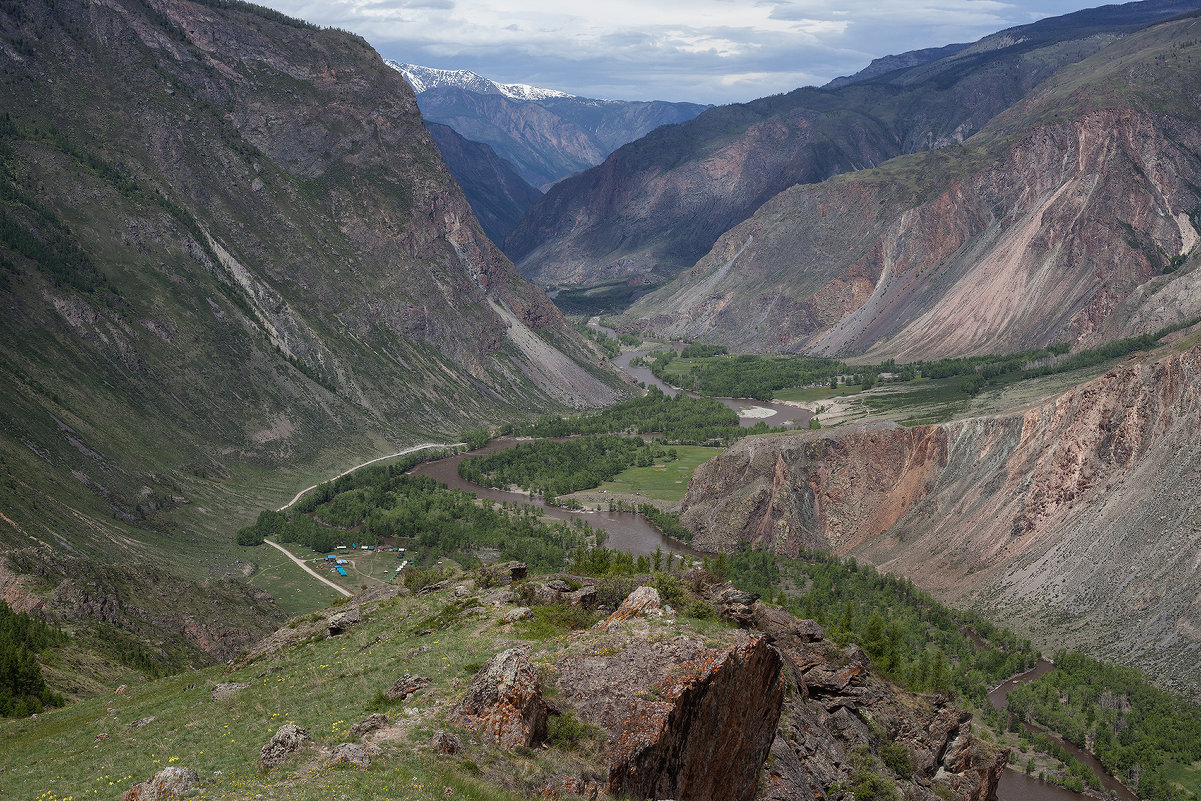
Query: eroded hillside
point(657, 205)
point(1079, 517)
point(1070, 218)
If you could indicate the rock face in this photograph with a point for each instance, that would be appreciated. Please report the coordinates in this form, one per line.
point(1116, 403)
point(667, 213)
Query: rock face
point(685, 721)
point(287, 740)
point(497, 194)
point(1084, 506)
point(642, 602)
point(504, 701)
point(170, 782)
point(1069, 219)
point(657, 205)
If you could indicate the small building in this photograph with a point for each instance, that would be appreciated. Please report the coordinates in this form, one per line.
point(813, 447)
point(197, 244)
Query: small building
point(330, 558)
point(339, 547)
point(341, 571)
point(341, 561)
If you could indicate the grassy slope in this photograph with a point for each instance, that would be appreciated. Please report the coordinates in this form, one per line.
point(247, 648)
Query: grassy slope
point(325, 687)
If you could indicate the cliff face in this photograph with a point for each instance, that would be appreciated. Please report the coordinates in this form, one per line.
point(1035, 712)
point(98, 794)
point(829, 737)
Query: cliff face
point(497, 194)
point(658, 205)
point(228, 243)
point(1057, 223)
point(1083, 509)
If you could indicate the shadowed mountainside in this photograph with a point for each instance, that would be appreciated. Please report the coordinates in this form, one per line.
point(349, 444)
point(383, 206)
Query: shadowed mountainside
point(229, 245)
point(497, 194)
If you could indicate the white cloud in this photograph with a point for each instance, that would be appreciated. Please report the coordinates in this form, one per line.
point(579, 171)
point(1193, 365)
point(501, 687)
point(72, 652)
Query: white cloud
point(713, 51)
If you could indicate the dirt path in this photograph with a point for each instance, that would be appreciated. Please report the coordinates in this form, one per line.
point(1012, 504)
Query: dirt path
point(306, 568)
point(405, 452)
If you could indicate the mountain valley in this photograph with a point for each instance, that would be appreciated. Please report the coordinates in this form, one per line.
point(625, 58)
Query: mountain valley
point(851, 453)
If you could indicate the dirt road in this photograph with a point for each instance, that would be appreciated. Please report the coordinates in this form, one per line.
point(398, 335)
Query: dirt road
point(306, 568)
point(405, 452)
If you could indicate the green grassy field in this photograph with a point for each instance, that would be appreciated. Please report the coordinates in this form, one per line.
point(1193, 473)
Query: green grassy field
point(666, 482)
point(1186, 777)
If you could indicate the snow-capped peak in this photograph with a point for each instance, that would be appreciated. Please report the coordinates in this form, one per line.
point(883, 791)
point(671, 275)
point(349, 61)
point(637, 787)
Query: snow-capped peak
point(422, 79)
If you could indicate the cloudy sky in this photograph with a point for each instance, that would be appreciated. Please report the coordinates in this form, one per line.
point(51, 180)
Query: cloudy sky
point(710, 51)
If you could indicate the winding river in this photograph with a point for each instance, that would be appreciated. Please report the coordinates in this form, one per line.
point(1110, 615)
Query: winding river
point(628, 531)
point(1017, 786)
point(750, 411)
point(631, 532)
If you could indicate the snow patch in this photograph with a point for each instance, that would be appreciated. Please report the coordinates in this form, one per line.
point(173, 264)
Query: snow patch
point(423, 79)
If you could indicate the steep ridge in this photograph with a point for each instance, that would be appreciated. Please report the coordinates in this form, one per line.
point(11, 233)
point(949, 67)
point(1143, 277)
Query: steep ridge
point(1078, 517)
point(658, 205)
point(497, 194)
point(1057, 223)
point(546, 134)
point(229, 246)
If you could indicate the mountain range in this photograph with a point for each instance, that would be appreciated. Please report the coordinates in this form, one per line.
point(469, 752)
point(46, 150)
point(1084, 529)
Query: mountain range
point(545, 134)
point(1071, 217)
point(657, 206)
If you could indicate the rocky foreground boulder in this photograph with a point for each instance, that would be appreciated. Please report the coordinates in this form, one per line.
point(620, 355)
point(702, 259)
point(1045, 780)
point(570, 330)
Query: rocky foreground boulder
point(504, 701)
point(170, 782)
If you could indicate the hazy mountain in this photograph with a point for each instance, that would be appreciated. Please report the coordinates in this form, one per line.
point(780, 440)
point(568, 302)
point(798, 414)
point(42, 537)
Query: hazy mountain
point(546, 135)
point(658, 205)
point(1070, 218)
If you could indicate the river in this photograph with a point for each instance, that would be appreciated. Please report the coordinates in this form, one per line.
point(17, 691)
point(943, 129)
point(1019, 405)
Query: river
point(628, 531)
point(750, 411)
point(1017, 786)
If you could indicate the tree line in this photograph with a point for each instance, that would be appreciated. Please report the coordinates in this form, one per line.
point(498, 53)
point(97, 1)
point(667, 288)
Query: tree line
point(377, 502)
point(550, 468)
point(681, 420)
point(1136, 730)
point(23, 689)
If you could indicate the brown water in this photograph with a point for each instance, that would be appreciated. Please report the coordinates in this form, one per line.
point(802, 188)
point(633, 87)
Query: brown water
point(627, 531)
point(1017, 786)
point(782, 414)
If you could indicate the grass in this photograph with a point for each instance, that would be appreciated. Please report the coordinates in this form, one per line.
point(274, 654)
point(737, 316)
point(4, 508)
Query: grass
point(294, 590)
point(324, 686)
point(664, 482)
point(918, 402)
point(807, 394)
point(1186, 777)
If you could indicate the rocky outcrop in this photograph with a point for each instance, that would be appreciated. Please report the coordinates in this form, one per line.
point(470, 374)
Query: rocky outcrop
point(349, 754)
point(340, 622)
point(170, 782)
point(405, 686)
point(643, 602)
point(287, 740)
point(1084, 507)
point(684, 720)
point(1069, 219)
point(504, 701)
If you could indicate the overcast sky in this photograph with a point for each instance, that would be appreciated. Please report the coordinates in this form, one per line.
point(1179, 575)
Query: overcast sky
point(707, 51)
